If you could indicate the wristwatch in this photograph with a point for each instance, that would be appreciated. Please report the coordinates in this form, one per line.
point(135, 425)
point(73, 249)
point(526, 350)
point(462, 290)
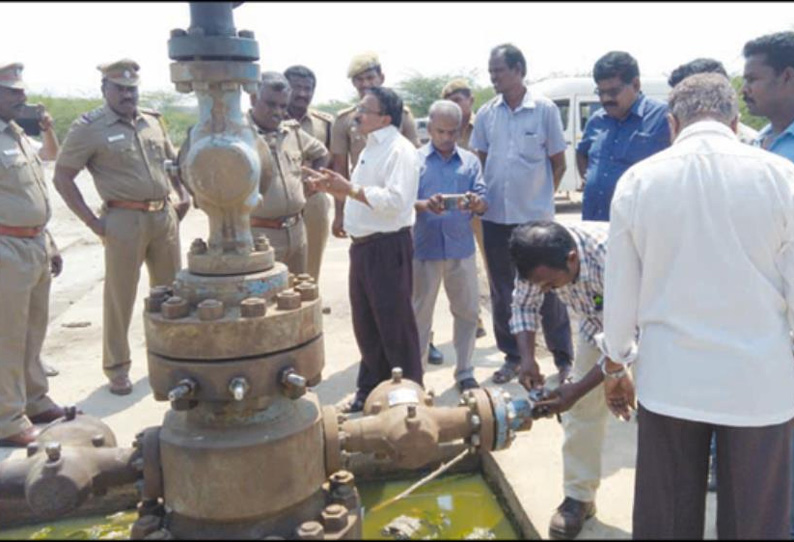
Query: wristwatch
point(602, 363)
point(354, 191)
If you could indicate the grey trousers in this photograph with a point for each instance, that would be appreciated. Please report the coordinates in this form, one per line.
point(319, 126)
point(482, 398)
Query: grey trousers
point(753, 479)
point(460, 283)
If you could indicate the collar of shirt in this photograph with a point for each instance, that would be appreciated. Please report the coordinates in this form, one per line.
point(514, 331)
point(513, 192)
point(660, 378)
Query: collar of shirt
point(382, 135)
point(705, 127)
point(767, 130)
point(526, 102)
point(111, 117)
point(583, 276)
point(429, 149)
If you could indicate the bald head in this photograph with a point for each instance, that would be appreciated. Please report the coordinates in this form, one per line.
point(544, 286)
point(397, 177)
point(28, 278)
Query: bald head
point(445, 109)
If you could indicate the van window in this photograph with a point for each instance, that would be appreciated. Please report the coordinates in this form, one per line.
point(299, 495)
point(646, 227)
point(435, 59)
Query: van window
point(586, 110)
point(565, 110)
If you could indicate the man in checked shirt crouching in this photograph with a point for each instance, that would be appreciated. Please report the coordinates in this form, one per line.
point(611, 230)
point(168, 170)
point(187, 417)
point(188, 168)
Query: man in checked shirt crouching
point(569, 260)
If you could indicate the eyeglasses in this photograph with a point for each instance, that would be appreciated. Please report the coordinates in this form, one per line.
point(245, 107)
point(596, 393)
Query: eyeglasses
point(364, 110)
point(611, 92)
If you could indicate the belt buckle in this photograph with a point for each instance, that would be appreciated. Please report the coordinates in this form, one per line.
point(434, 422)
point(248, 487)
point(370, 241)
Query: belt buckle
point(290, 221)
point(154, 205)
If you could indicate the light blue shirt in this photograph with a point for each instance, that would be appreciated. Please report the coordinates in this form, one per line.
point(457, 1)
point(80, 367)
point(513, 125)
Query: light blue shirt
point(518, 176)
point(782, 145)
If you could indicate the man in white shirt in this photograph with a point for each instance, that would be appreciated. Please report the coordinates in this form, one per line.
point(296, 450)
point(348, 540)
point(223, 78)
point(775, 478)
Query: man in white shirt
point(701, 259)
point(378, 215)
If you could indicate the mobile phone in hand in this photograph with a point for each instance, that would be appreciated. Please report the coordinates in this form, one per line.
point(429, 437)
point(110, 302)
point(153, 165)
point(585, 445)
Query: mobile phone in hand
point(29, 118)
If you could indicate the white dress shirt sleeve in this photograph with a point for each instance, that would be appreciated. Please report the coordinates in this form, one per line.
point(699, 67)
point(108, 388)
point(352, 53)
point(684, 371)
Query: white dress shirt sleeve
point(785, 258)
point(622, 281)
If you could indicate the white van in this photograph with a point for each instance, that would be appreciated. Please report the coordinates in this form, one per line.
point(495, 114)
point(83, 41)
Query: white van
point(576, 99)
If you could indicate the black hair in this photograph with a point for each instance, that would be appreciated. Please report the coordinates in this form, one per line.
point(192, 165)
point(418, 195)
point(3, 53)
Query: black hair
point(512, 55)
point(300, 71)
point(778, 49)
point(390, 103)
point(616, 64)
point(699, 65)
point(539, 243)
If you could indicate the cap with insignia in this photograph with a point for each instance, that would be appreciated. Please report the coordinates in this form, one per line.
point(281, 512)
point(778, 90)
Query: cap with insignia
point(363, 62)
point(122, 72)
point(453, 86)
point(11, 75)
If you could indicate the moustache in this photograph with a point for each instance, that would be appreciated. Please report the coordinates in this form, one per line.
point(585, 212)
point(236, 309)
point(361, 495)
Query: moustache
point(610, 104)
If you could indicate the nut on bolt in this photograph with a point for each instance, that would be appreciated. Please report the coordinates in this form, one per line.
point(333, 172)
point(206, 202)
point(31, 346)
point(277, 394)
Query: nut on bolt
point(288, 300)
point(334, 517)
point(210, 309)
point(253, 307)
point(261, 243)
point(308, 291)
point(397, 375)
point(98, 440)
point(198, 246)
point(175, 307)
point(239, 387)
point(53, 451)
point(310, 530)
point(292, 384)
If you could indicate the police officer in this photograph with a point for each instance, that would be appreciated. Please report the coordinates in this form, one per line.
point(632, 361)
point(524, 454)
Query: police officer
point(124, 148)
point(283, 149)
point(317, 123)
point(346, 143)
point(27, 259)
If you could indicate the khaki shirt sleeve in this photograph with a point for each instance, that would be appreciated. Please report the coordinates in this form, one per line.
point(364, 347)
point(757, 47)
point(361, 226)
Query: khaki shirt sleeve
point(312, 148)
point(408, 128)
point(340, 142)
point(77, 148)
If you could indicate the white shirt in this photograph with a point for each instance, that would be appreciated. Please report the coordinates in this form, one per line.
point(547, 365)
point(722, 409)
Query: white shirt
point(388, 171)
point(701, 258)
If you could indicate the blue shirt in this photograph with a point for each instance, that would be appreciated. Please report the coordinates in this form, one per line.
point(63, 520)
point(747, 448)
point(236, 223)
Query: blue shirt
point(447, 236)
point(518, 178)
point(782, 145)
point(613, 146)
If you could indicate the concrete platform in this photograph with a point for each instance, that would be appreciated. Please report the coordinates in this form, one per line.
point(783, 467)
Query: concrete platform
point(531, 468)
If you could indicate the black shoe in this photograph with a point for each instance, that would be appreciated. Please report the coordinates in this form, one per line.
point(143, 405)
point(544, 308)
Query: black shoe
point(480, 329)
point(568, 520)
point(434, 355)
point(467, 384)
point(354, 405)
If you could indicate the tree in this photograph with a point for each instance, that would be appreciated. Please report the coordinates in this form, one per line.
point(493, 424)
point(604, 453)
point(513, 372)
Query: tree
point(420, 91)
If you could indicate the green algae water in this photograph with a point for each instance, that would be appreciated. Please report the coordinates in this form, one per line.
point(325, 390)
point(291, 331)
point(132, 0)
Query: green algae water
point(453, 507)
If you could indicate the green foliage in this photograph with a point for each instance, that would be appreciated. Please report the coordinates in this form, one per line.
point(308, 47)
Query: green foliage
point(335, 106)
point(178, 118)
point(744, 115)
point(420, 91)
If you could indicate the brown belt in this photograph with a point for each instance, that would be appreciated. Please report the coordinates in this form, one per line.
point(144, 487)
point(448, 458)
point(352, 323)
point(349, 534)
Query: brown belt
point(373, 236)
point(14, 231)
point(150, 206)
point(279, 223)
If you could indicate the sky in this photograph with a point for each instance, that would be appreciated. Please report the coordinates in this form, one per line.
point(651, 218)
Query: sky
point(62, 43)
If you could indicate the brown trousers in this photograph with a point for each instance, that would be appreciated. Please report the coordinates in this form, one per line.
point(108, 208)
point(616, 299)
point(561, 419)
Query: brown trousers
point(753, 479)
point(25, 294)
point(132, 238)
point(289, 245)
point(318, 226)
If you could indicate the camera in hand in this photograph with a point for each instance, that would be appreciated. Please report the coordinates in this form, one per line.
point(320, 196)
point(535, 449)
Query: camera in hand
point(451, 201)
point(29, 118)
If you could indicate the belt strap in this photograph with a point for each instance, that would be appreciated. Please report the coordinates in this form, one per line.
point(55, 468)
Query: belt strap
point(275, 223)
point(152, 205)
point(378, 235)
point(27, 232)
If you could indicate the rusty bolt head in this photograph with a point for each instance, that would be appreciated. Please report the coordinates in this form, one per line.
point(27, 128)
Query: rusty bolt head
point(334, 517)
point(475, 422)
point(428, 400)
point(229, 85)
point(475, 440)
point(412, 411)
point(310, 530)
point(308, 291)
point(341, 418)
point(396, 375)
point(247, 34)
point(184, 87)
point(33, 449)
point(175, 307)
point(198, 246)
point(53, 451)
point(261, 243)
point(303, 277)
point(288, 300)
point(342, 478)
point(253, 307)
point(472, 402)
point(178, 33)
point(98, 440)
point(293, 384)
point(239, 387)
point(210, 309)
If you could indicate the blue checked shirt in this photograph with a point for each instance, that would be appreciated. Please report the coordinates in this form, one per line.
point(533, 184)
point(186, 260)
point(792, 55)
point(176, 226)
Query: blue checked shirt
point(584, 296)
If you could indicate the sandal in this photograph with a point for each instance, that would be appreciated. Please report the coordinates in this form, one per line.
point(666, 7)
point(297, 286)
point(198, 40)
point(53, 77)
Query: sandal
point(505, 373)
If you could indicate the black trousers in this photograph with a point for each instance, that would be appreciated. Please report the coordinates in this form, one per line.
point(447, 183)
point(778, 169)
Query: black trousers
point(753, 479)
point(380, 284)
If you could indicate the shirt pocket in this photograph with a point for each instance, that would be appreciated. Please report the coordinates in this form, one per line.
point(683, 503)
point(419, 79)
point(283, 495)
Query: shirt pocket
point(125, 150)
point(641, 145)
point(156, 151)
point(531, 148)
point(294, 162)
point(13, 160)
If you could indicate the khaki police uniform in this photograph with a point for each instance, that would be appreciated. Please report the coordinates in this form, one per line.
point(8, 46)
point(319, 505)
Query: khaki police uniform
point(282, 153)
point(126, 160)
point(24, 274)
point(315, 213)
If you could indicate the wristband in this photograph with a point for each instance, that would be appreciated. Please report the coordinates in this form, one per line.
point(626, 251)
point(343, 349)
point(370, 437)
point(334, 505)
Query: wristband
point(354, 191)
point(617, 375)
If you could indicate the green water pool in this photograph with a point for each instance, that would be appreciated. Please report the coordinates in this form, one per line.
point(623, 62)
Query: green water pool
point(454, 507)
